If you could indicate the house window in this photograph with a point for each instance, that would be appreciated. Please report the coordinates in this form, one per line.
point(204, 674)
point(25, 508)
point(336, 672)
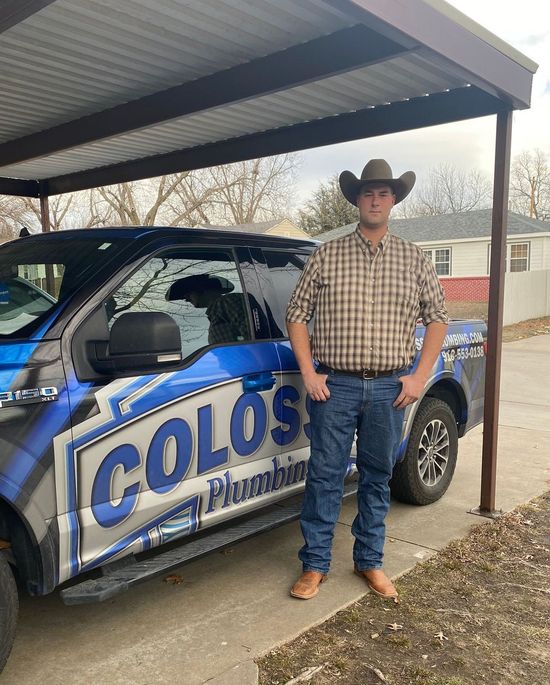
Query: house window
point(519, 257)
point(441, 259)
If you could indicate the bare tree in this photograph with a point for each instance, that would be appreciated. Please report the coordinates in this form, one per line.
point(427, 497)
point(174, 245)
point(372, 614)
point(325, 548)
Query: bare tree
point(236, 193)
point(530, 185)
point(447, 190)
point(60, 206)
point(327, 209)
point(253, 190)
point(173, 200)
point(13, 216)
point(196, 199)
point(137, 203)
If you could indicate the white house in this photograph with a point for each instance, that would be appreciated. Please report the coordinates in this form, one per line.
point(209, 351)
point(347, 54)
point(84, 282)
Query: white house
point(459, 244)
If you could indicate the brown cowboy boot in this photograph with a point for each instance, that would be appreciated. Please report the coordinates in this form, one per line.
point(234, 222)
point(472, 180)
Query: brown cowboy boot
point(307, 585)
point(378, 582)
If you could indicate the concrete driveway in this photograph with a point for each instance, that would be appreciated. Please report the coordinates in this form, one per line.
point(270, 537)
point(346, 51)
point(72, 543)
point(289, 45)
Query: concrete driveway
point(234, 606)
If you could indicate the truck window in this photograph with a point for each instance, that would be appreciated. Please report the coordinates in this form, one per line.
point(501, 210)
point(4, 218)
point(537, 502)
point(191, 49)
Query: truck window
point(36, 277)
point(285, 269)
point(200, 289)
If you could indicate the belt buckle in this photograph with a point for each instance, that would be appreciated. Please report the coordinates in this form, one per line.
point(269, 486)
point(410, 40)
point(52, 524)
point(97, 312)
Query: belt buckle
point(368, 374)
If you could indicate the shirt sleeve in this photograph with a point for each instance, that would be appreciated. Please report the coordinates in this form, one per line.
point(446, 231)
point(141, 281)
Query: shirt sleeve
point(304, 298)
point(432, 296)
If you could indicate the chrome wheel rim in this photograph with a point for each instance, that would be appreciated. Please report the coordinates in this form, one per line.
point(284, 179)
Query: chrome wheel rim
point(433, 452)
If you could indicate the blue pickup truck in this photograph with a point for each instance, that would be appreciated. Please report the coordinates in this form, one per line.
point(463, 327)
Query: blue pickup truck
point(135, 411)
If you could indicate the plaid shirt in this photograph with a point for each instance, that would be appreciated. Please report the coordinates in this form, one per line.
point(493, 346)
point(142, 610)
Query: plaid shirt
point(228, 322)
point(366, 305)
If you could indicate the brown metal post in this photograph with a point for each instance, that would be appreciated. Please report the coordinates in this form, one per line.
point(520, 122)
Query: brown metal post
point(496, 308)
point(45, 213)
point(46, 228)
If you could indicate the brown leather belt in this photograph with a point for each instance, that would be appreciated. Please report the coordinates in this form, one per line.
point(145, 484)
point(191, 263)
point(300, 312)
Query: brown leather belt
point(366, 374)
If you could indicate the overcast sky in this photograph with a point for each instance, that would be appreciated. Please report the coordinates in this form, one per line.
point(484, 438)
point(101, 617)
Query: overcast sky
point(470, 144)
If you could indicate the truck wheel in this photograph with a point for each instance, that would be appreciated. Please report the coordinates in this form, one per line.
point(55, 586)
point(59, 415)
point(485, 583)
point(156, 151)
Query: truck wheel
point(9, 605)
point(425, 473)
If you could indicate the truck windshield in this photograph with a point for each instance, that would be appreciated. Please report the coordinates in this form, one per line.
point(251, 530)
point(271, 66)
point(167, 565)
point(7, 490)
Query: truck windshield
point(38, 275)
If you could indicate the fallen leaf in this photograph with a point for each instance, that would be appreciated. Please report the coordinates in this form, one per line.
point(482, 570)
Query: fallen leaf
point(378, 673)
point(174, 579)
point(424, 656)
point(375, 635)
point(306, 674)
point(440, 636)
point(395, 627)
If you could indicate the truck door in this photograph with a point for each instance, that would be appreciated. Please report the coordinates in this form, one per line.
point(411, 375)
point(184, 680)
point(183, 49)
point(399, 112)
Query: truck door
point(279, 271)
point(159, 453)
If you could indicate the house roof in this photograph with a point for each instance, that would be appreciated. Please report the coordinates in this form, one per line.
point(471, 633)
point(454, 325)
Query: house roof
point(463, 225)
point(258, 227)
point(95, 93)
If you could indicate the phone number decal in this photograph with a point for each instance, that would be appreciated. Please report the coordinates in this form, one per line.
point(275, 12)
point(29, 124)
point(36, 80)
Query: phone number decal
point(462, 353)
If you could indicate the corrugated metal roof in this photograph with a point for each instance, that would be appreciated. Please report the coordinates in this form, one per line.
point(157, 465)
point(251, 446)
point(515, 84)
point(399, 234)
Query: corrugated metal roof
point(380, 84)
point(80, 58)
point(76, 57)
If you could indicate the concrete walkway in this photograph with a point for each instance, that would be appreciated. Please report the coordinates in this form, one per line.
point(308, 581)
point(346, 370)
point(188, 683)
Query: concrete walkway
point(234, 606)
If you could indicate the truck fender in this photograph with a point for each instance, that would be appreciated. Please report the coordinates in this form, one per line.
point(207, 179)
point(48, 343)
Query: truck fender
point(32, 542)
point(445, 379)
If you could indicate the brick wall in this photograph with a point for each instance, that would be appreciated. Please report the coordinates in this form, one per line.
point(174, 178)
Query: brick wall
point(466, 289)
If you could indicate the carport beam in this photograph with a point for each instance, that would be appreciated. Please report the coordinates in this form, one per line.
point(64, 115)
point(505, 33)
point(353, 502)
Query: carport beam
point(496, 308)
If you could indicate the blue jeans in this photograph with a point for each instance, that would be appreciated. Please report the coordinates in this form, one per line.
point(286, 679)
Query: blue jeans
point(355, 406)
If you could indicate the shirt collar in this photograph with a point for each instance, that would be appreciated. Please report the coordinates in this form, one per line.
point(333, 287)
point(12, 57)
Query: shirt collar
point(382, 245)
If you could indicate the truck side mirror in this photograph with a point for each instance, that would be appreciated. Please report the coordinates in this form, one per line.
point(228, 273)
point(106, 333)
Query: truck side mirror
point(138, 340)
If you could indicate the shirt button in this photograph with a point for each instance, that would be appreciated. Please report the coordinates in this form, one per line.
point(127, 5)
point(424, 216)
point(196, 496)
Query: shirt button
point(370, 348)
point(372, 301)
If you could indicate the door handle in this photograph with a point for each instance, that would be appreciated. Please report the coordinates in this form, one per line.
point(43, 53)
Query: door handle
point(256, 382)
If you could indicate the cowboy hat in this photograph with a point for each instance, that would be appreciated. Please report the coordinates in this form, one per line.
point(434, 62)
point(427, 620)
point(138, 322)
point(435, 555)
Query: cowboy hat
point(376, 171)
point(198, 283)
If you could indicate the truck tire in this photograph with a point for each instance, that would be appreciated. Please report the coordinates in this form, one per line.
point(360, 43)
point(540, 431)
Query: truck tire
point(9, 605)
point(427, 469)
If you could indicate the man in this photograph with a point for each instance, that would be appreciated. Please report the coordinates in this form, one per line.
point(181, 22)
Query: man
point(367, 291)
point(225, 310)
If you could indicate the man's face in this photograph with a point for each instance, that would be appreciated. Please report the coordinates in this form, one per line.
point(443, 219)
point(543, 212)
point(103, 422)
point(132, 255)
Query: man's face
point(375, 202)
point(201, 299)
point(194, 297)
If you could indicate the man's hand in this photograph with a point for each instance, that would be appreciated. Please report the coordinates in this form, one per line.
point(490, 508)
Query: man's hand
point(316, 386)
point(412, 387)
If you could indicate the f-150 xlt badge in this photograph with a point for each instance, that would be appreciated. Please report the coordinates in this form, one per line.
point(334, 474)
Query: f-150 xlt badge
point(27, 396)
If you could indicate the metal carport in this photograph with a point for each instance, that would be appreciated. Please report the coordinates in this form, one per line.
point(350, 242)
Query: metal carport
point(95, 93)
